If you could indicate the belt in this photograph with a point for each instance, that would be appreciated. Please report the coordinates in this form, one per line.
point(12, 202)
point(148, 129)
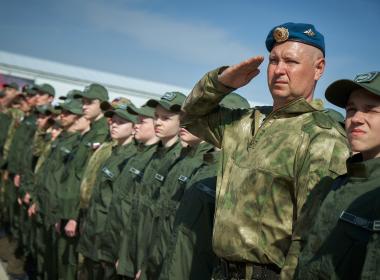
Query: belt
point(249, 270)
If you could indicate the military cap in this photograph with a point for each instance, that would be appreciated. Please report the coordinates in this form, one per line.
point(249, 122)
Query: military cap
point(118, 102)
point(70, 94)
point(46, 110)
point(234, 101)
point(119, 107)
point(29, 90)
point(94, 91)
point(11, 85)
point(45, 88)
point(299, 32)
point(144, 110)
point(73, 106)
point(171, 101)
point(339, 91)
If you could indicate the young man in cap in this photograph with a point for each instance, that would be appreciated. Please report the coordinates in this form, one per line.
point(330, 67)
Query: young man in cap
point(45, 94)
point(349, 216)
point(271, 157)
point(44, 207)
point(9, 93)
point(123, 189)
point(95, 203)
point(69, 191)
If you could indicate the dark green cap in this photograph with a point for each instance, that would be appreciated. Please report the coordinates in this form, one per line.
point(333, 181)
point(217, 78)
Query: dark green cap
point(234, 101)
point(94, 91)
point(70, 94)
point(47, 110)
point(122, 113)
point(45, 88)
point(28, 89)
point(119, 107)
point(171, 101)
point(339, 91)
point(144, 110)
point(11, 85)
point(73, 106)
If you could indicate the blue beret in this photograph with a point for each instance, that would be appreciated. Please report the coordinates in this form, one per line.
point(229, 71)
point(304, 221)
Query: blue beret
point(300, 32)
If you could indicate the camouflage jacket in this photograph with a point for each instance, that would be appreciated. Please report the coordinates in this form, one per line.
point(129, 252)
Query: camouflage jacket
point(90, 174)
point(269, 163)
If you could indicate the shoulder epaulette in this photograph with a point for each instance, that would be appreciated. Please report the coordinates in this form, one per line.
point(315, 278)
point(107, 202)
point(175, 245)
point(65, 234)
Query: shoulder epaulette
point(322, 119)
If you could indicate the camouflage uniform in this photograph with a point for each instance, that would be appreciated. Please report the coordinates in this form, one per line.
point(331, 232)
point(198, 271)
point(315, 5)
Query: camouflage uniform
point(269, 163)
point(337, 243)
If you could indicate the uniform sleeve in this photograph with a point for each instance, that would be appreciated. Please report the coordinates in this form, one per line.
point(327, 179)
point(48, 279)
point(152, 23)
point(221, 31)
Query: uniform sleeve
point(318, 162)
point(202, 115)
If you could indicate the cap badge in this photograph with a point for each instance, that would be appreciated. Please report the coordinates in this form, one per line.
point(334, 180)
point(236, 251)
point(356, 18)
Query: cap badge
point(281, 34)
point(169, 96)
point(366, 78)
point(309, 32)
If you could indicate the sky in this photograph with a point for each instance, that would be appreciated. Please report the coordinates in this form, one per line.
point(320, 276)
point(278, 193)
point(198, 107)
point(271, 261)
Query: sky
point(177, 42)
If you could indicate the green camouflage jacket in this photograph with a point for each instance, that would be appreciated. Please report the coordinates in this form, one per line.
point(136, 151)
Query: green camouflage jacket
point(10, 122)
point(90, 174)
point(269, 163)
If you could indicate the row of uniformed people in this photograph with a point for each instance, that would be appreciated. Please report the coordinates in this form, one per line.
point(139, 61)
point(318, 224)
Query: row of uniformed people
point(133, 195)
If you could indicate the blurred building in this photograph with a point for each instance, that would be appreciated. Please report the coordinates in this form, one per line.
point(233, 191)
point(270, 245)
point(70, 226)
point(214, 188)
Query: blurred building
point(28, 70)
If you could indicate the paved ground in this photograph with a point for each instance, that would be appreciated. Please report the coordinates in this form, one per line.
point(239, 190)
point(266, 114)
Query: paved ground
point(3, 274)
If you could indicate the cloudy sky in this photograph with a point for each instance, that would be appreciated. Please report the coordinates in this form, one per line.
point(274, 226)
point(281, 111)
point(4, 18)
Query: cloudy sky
point(176, 42)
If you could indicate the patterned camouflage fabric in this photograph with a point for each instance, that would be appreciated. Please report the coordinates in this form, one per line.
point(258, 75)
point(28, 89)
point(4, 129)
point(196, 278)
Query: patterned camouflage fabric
point(89, 176)
point(269, 163)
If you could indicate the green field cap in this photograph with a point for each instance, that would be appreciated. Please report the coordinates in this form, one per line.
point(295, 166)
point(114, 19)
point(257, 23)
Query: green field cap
point(70, 94)
point(144, 110)
point(234, 101)
point(339, 91)
point(94, 91)
point(171, 101)
point(47, 110)
point(73, 106)
point(119, 107)
point(45, 88)
point(28, 90)
point(11, 85)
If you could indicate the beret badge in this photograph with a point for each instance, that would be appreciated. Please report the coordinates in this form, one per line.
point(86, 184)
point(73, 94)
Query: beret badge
point(281, 34)
point(309, 32)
